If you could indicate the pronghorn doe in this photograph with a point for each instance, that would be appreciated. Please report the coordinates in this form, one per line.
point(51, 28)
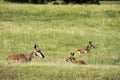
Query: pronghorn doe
point(73, 60)
point(26, 58)
point(87, 49)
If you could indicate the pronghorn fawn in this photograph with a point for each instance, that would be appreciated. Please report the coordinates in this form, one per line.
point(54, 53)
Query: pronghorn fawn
point(26, 58)
point(73, 60)
point(87, 49)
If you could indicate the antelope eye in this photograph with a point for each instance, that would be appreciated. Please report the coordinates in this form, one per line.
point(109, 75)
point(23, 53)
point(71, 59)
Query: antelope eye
point(38, 50)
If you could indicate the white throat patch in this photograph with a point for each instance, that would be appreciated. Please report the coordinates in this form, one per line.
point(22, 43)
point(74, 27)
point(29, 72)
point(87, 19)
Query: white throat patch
point(39, 54)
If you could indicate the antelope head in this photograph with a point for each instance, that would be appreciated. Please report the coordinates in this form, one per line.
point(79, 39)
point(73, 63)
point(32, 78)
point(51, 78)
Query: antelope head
point(71, 58)
point(38, 52)
point(91, 45)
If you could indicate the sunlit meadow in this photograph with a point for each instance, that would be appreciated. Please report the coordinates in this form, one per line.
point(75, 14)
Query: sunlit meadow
point(60, 30)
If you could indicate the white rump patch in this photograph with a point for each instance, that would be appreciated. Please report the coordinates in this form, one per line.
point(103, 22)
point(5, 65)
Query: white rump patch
point(85, 51)
point(78, 52)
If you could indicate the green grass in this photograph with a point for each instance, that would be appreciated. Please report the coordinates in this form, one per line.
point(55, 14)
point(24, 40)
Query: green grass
point(59, 30)
point(53, 71)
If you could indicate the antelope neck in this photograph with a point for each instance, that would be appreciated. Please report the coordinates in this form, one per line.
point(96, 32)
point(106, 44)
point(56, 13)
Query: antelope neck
point(87, 49)
point(31, 56)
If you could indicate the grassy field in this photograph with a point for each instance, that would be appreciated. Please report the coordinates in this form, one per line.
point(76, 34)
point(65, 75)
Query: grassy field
point(110, 2)
point(59, 30)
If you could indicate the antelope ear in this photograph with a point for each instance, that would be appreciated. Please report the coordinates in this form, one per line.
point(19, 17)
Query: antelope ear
point(35, 45)
point(73, 53)
point(90, 42)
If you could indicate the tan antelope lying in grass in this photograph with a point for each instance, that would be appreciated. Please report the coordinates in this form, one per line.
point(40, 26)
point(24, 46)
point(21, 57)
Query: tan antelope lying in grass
point(87, 49)
point(26, 58)
point(73, 60)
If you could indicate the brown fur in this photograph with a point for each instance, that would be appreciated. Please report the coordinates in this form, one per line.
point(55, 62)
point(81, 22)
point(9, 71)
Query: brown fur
point(25, 58)
point(78, 61)
point(87, 49)
point(17, 57)
point(73, 60)
point(21, 57)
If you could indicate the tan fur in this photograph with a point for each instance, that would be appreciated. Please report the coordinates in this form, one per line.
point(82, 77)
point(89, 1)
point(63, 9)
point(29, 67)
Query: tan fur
point(26, 58)
point(87, 49)
point(20, 57)
point(78, 61)
point(17, 57)
point(73, 60)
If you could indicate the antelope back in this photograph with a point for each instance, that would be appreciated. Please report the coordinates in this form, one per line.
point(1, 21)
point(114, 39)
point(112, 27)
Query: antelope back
point(17, 57)
point(80, 62)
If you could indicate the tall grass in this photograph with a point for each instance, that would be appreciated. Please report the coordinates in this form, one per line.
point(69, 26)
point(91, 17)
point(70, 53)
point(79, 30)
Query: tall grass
point(59, 30)
point(53, 71)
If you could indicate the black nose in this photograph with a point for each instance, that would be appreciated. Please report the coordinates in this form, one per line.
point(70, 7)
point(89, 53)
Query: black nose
point(43, 56)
